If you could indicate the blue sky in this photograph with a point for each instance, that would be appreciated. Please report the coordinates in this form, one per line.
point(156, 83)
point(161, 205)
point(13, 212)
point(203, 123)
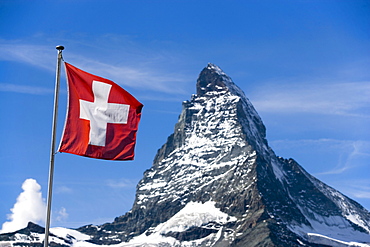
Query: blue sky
point(303, 64)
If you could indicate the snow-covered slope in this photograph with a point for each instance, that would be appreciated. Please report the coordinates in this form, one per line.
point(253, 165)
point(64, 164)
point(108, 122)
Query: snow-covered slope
point(216, 182)
point(34, 235)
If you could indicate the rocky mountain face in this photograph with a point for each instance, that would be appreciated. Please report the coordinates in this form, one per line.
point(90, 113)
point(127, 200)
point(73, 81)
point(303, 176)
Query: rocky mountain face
point(216, 182)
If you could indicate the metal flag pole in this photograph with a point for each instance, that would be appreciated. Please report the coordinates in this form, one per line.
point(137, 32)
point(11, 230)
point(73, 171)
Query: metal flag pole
point(52, 149)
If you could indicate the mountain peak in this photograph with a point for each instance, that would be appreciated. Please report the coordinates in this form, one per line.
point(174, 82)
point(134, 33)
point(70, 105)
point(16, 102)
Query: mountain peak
point(215, 68)
point(213, 79)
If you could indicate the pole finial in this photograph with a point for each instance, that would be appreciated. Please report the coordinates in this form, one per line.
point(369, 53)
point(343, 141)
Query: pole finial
point(60, 47)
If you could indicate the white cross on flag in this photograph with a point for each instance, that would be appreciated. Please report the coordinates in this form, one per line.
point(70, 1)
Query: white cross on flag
point(102, 118)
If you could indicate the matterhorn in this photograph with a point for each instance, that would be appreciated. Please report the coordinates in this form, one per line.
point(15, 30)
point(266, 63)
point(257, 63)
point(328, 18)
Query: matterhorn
point(216, 182)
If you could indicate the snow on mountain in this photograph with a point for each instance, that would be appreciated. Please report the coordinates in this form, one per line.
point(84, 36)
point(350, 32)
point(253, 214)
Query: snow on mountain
point(216, 182)
point(193, 215)
point(34, 235)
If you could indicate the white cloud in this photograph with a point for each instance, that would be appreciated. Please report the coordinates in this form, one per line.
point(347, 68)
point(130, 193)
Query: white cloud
point(328, 144)
point(121, 183)
point(139, 74)
point(361, 194)
point(30, 206)
point(350, 153)
point(36, 55)
point(347, 98)
point(62, 215)
point(359, 190)
point(358, 155)
point(137, 77)
point(355, 188)
point(63, 189)
point(6, 87)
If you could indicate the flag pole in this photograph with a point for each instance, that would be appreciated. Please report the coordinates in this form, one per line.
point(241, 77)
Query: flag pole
point(52, 148)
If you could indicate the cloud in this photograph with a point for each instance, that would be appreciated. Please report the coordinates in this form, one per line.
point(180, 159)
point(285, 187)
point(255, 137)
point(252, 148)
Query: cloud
point(36, 55)
point(350, 153)
point(355, 188)
point(361, 193)
point(62, 215)
point(360, 189)
point(143, 72)
point(30, 206)
point(137, 77)
point(121, 183)
point(319, 143)
point(346, 98)
point(358, 155)
point(6, 87)
point(63, 189)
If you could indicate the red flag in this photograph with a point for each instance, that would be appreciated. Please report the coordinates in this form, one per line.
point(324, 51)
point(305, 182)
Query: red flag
point(102, 118)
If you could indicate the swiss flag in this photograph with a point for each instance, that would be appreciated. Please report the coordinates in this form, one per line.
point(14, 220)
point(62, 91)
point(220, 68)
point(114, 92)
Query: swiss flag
point(102, 118)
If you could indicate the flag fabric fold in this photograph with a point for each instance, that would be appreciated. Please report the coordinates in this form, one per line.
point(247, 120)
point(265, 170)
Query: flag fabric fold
point(102, 118)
